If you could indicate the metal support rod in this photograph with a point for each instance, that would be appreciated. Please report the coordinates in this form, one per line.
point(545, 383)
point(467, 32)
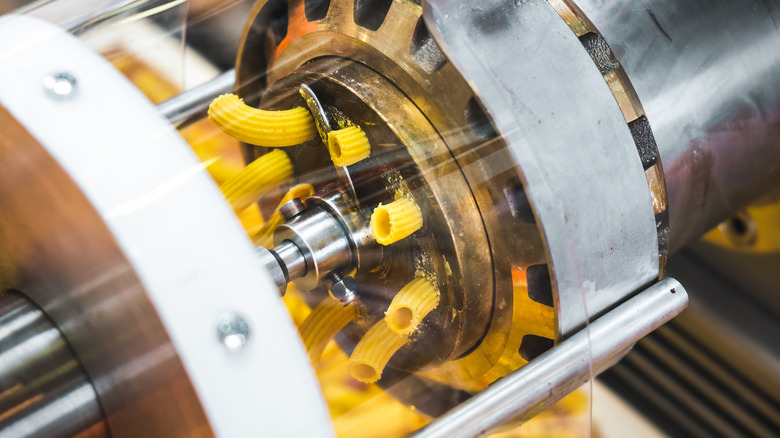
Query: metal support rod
point(192, 105)
point(564, 368)
point(43, 390)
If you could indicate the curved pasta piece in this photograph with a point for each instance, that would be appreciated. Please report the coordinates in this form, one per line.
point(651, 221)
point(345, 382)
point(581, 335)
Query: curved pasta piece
point(261, 127)
point(396, 220)
point(248, 185)
point(322, 324)
point(374, 350)
point(264, 236)
point(348, 146)
point(410, 306)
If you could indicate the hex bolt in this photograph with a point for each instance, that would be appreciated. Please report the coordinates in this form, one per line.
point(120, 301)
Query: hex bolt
point(344, 289)
point(233, 331)
point(291, 208)
point(59, 85)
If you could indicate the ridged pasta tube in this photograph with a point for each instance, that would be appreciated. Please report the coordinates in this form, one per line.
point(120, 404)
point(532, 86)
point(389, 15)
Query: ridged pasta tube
point(248, 185)
point(396, 220)
point(410, 306)
point(261, 127)
point(374, 350)
point(348, 146)
point(322, 324)
point(264, 236)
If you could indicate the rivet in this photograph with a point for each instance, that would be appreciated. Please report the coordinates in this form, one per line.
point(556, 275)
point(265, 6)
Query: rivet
point(233, 331)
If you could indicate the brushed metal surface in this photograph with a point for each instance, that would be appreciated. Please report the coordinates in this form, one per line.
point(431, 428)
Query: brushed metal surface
point(570, 141)
point(708, 76)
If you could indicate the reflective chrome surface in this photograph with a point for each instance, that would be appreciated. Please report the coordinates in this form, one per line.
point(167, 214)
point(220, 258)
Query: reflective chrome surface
point(708, 76)
point(43, 390)
point(192, 105)
point(564, 368)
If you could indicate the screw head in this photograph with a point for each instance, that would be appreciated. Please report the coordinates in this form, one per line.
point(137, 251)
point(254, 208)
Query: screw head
point(59, 85)
point(233, 331)
point(291, 208)
point(344, 289)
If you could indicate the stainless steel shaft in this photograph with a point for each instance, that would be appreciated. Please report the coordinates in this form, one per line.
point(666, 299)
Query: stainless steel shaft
point(564, 368)
point(192, 105)
point(43, 390)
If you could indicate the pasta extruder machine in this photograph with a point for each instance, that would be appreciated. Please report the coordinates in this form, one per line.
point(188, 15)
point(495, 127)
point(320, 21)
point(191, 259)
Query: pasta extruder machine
point(473, 202)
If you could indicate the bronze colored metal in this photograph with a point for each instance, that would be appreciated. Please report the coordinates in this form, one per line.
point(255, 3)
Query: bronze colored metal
point(408, 157)
point(454, 157)
point(58, 250)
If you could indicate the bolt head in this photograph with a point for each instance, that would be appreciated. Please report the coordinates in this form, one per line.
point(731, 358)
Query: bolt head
point(59, 85)
point(344, 290)
point(233, 331)
point(291, 208)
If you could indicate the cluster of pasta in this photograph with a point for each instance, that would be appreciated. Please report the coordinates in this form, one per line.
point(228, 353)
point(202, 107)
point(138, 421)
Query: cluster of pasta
point(389, 223)
point(403, 317)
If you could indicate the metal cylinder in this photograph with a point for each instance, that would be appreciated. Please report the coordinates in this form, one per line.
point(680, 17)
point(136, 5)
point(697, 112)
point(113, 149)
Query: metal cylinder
point(294, 260)
point(43, 389)
point(564, 368)
point(708, 76)
point(321, 239)
point(192, 105)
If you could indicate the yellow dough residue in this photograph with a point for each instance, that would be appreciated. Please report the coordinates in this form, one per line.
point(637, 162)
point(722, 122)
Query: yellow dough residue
point(374, 350)
point(261, 127)
point(248, 185)
point(395, 221)
point(348, 146)
point(410, 306)
point(264, 237)
point(322, 324)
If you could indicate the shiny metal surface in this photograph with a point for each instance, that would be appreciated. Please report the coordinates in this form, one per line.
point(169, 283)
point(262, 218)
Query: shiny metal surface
point(43, 389)
point(422, 120)
point(408, 156)
point(323, 241)
point(192, 105)
point(564, 368)
point(344, 289)
point(59, 85)
point(578, 161)
point(293, 262)
point(291, 208)
point(270, 263)
point(708, 76)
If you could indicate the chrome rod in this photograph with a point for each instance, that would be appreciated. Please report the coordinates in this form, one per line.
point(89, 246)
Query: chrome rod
point(192, 105)
point(43, 390)
point(564, 368)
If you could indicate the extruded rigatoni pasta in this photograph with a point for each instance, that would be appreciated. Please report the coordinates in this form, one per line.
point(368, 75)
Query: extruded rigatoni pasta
point(348, 146)
point(374, 350)
point(396, 220)
point(248, 185)
point(411, 305)
point(261, 127)
point(322, 324)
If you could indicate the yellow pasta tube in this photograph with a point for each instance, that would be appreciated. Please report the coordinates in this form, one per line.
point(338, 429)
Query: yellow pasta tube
point(246, 186)
point(410, 306)
point(322, 324)
point(395, 221)
point(374, 350)
point(264, 236)
point(348, 146)
point(261, 127)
